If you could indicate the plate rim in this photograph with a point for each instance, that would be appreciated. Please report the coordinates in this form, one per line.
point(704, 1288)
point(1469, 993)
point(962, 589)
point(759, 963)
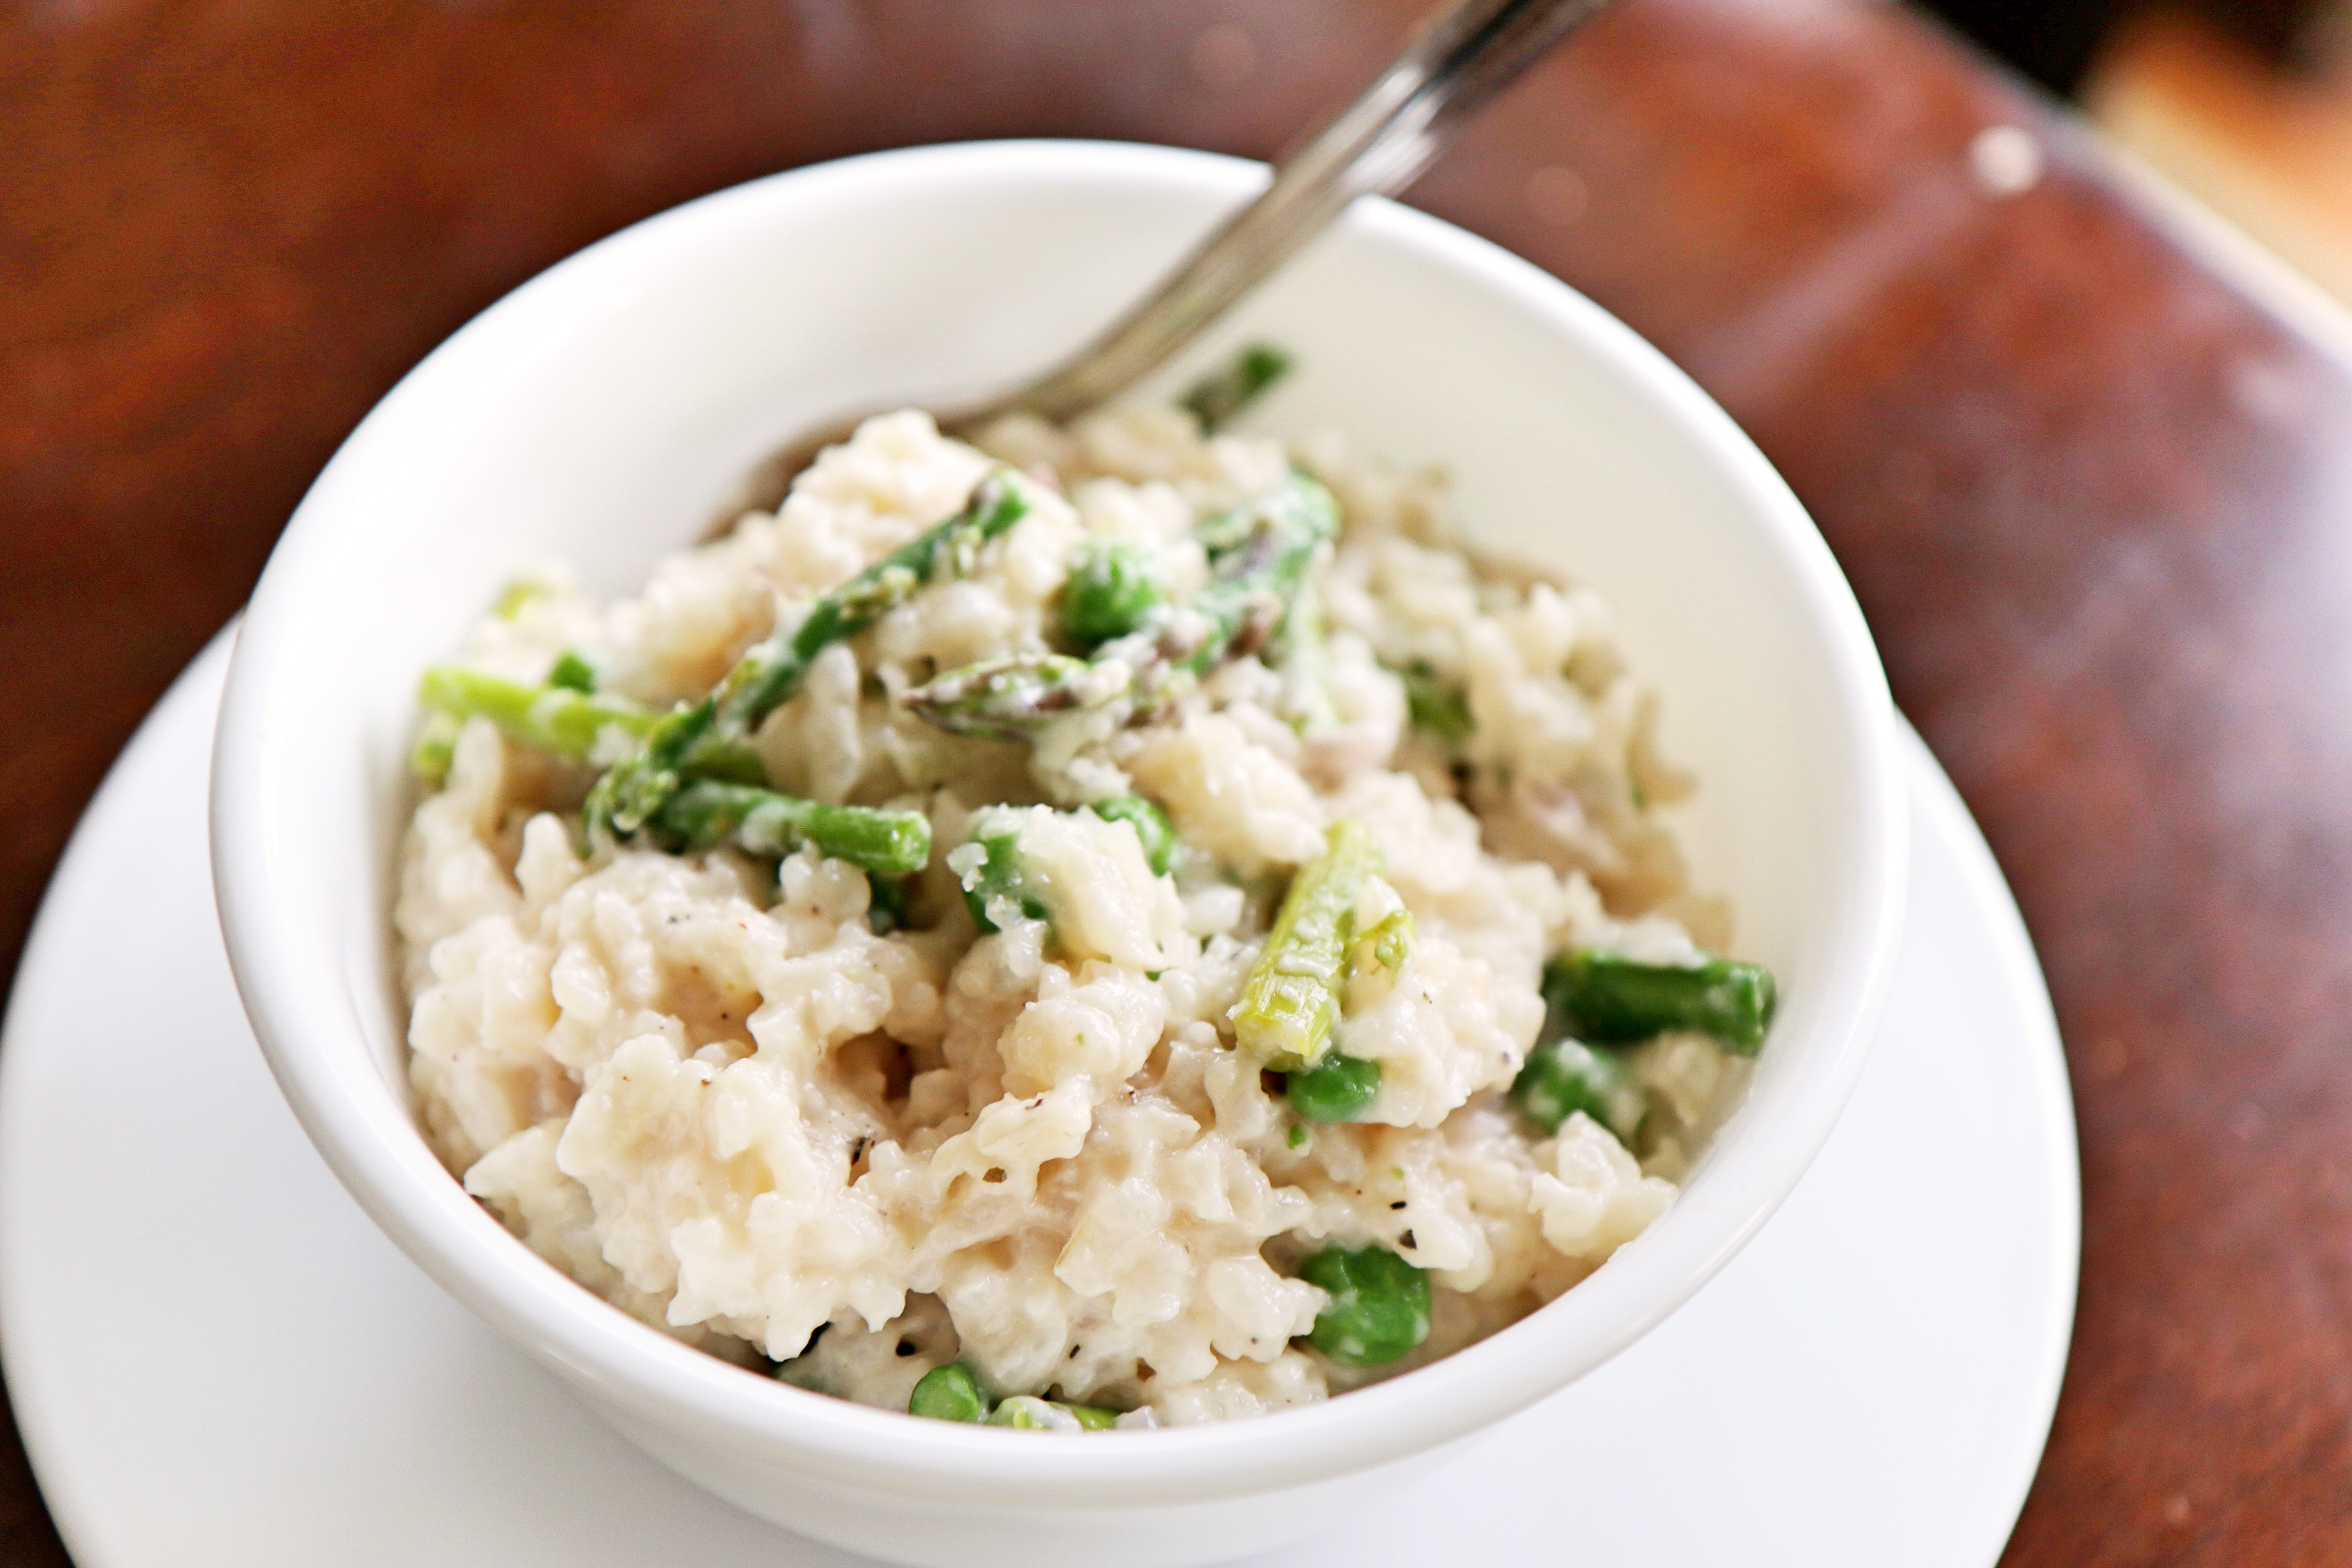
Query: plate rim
point(1937, 810)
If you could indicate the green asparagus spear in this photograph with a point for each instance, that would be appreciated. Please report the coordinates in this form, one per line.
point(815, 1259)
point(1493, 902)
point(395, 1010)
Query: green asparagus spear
point(1564, 1076)
point(1151, 825)
point(1001, 875)
point(1434, 705)
point(771, 672)
point(1613, 1000)
point(1224, 393)
point(1014, 696)
point(1114, 589)
point(1391, 939)
point(557, 719)
point(1302, 657)
point(886, 908)
point(1334, 1089)
point(515, 596)
point(1378, 1308)
point(632, 790)
point(1027, 1413)
point(575, 671)
point(952, 1393)
point(948, 1393)
point(436, 748)
point(704, 812)
point(1290, 1003)
point(1259, 557)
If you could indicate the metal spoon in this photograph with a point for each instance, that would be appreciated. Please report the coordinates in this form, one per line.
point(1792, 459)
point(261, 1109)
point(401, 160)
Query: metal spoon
point(1377, 143)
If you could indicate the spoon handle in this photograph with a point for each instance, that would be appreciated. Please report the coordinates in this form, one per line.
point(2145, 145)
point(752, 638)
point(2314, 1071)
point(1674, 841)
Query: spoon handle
point(1448, 70)
point(1377, 143)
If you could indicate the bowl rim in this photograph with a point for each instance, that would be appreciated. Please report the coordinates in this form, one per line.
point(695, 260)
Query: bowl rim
point(303, 1016)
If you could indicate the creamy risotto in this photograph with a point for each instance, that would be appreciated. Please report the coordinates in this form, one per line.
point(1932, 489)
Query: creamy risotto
point(1108, 926)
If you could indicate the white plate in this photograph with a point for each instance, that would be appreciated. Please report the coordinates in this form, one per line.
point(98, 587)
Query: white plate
point(217, 1359)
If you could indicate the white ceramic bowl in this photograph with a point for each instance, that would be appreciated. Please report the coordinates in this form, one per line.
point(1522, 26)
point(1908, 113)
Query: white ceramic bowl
point(599, 412)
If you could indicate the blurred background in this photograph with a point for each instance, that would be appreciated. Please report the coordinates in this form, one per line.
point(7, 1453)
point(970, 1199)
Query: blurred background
point(2245, 103)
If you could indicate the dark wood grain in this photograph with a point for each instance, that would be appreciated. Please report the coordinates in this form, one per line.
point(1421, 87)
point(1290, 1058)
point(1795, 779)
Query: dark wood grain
point(2093, 500)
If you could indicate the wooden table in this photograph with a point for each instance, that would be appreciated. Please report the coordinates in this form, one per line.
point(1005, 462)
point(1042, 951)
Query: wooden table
point(2092, 496)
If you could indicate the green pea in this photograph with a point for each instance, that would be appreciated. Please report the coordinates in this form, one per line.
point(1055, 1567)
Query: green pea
point(1565, 1076)
point(1151, 825)
point(1114, 589)
point(1334, 1089)
point(1093, 1417)
point(948, 1393)
point(1379, 1307)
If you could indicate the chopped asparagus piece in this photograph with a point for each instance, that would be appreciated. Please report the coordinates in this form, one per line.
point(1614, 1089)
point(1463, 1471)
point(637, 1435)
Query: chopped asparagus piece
point(1379, 1307)
point(948, 1393)
point(1291, 1002)
point(1336, 1089)
point(1391, 939)
point(768, 676)
point(1028, 1412)
point(552, 717)
point(886, 905)
point(1114, 589)
point(1610, 1000)
point(1434, 705)
point(1260, 554)
point(568, 722)
point(1224, 393)
point(574, 670)
point(1151, 825)
point(952, 1393)
point(1012, 697)
point(1564, 1076)
point(1302, 657)
point(436, 748)
point(515, 596)
point(632, 790)
point(706, 812)
point(1001, 877)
